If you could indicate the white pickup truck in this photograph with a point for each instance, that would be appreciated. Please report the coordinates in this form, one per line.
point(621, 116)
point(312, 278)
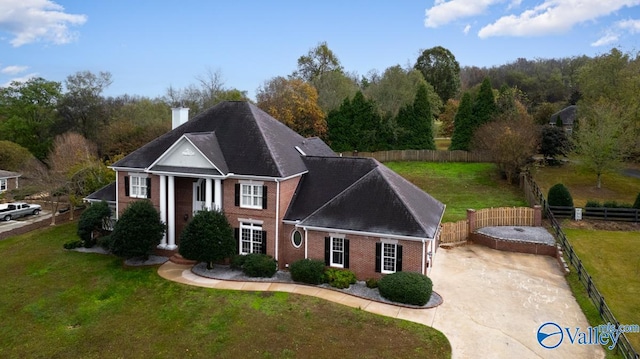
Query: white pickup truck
point(9, 211)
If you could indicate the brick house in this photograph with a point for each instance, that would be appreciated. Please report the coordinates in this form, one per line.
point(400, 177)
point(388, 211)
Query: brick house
point(287, 196)
point(8, 180)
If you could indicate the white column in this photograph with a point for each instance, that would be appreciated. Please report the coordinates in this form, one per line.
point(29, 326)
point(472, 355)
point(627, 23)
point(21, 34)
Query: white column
point(171, 212)
point(217, 200)
point(207, 194)
point(163, 209)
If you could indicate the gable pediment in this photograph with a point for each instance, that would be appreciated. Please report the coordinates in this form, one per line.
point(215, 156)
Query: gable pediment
point(189, 154)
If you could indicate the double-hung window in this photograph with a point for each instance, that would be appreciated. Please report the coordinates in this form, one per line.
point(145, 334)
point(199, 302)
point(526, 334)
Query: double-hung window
point(3, 184)
point(389, 256)
point(138, 186)
point(251, 238)
point(251, 195)
point(336, 251)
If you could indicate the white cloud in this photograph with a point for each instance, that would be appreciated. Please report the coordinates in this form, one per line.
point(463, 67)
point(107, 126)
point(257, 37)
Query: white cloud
point(14, 70)
point(466, 29)
point(616, 31)
point(444, 12)
point(553, 17)
point(24, 78)
point(37, 20)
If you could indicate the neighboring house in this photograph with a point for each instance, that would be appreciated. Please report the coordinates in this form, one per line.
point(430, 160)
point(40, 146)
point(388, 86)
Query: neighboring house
point(107, 194)
point(8, 180)
point(285, 195)
point(567, 115)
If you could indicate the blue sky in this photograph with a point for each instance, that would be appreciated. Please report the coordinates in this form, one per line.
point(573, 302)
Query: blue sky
point(149, 45)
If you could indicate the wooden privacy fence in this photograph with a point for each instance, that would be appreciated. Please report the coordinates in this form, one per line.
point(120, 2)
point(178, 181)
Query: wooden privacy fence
point(503, 216)
point(533, 192)
point(422, 155)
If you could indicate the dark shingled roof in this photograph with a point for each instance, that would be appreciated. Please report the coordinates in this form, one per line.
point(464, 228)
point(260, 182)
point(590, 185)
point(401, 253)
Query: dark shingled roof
point(250, 142)
point(567, 115)
point(106, 193)
point(9, 174)
point(363, 195)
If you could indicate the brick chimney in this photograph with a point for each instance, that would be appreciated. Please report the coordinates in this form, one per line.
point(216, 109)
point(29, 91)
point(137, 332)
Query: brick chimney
point(179, 116)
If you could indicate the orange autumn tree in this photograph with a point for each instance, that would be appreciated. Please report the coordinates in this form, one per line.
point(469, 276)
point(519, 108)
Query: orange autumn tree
point(293, 102)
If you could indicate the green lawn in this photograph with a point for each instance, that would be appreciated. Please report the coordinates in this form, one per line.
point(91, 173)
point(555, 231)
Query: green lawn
point(582, 184)
point(59, 304)
point(461, 186)
point(612, 258)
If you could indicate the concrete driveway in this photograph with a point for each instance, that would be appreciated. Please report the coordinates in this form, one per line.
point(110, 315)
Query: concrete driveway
point(6, 226)
point(494, 303)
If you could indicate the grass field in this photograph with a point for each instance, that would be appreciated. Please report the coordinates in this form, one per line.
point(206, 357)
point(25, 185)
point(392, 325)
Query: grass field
point(612, 258)
point(59, 304)
point(461, 186)
point(582, 184)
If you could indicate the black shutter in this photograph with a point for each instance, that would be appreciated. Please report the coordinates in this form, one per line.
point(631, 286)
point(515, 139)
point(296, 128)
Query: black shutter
point(237, 194)
point(236, 234)
point(378, 257)
point(346, 253)
point(398, 258)
point(264, 242)
point(327, 250)
point(264, 197)
point(148, 187)
point(126, 186)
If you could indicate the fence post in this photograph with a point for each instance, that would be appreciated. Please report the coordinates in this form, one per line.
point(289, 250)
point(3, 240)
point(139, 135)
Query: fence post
point(471, 217)
point(601, 304)
point(537, 215)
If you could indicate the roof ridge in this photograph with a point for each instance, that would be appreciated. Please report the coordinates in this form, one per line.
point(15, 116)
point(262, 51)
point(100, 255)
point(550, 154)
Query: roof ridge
point(252, 108)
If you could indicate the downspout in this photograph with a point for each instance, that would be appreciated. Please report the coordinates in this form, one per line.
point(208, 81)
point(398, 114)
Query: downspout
point(117, 197)
point(423, 257)
point(277, 239)
point(306, 248)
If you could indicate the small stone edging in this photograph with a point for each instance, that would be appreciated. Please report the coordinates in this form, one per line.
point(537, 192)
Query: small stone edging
point(360, 290)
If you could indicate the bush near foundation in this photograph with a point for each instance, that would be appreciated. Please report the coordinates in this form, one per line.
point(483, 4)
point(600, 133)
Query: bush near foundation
point(339, 278)
point(259, 265)
point(308, 271)
point(406, 287)
point(138, 231)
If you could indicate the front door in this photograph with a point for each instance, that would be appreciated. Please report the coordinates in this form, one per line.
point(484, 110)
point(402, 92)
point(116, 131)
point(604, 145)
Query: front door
point(199, 195)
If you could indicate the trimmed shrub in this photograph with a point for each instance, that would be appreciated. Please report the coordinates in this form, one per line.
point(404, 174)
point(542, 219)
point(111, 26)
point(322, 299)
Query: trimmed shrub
point(138, 231)
point(406, 287)
point(593, 204)
point(559, 196)
point(237, 261)
point(615, 204)
point(72, 244)
point(208, 237)
point(259, 265)
point(91, 220)
point(310, 271)
point(371, 283)
point(339, 278)
point(636, 204)
point(105, 242)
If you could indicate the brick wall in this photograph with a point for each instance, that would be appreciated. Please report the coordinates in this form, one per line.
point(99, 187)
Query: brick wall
point(123, 201)
point(513, 246)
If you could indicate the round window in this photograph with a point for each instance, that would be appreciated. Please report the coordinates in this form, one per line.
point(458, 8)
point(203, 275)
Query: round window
point(296, 238)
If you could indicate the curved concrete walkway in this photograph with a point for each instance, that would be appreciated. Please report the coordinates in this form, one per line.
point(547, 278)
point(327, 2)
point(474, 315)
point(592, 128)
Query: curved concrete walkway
point(494, 302)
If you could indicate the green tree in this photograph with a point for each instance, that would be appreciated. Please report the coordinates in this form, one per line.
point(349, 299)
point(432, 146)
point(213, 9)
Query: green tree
point(416, 123)
point(138, 231)
point(333, 87)
point(447, 116)
point(397, 88)
point(356, 125)
point(317, 62)
point(28, 114)
point(554, 142)
point(484, 106)
point(208, 237)
point(294, 103)
point(602, 140)
point(441, 69)
point(13, 156)
point(83, 106)
point(559, 196)
point(463, 125)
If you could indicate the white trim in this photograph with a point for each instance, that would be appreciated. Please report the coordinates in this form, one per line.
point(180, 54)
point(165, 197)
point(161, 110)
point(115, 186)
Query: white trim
point(142, 183)
point(6, 184)
point(265, 178)
point(175, 144)
point(300, 151)
point(306, 246)
point(395, 258)
point(388, 241)
point(296, 230)
point(163, 209)
point(331, 251)
point(250, 220)
point(138, 174)
point(251, 182)
point(171, 213)
point(277, 239)
point(253, 189)
point(117, 196)
point(252, 227)
point(182, 174)
point(361, 233)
